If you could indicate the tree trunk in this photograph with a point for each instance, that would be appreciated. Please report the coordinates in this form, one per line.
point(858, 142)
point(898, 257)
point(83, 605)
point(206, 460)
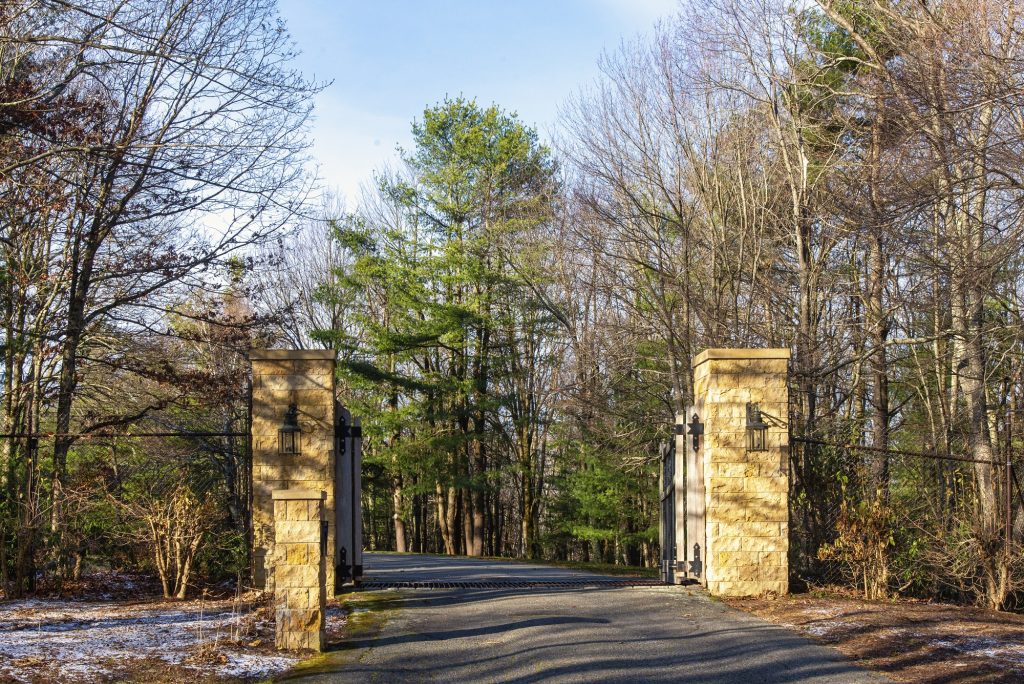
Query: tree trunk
point(466, 510)
point(528, 522)
point(475, 538)
point(446, 517)
point(398, 515)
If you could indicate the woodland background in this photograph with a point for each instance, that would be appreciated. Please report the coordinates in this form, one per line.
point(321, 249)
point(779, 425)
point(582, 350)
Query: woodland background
point(515, 319)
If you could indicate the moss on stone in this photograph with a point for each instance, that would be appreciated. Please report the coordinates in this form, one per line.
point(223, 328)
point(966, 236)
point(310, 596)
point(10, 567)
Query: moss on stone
point(366, 614)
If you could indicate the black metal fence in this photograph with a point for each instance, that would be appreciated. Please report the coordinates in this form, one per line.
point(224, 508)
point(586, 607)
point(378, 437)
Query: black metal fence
point(836, 516)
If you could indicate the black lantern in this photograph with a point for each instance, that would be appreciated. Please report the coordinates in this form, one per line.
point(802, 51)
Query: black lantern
point(288, 441)
point(696, 430)
point(757, 429)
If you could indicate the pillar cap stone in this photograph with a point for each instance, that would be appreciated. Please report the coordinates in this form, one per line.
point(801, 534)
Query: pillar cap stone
point(292, 355)
point(740, 354)
point(292, 494)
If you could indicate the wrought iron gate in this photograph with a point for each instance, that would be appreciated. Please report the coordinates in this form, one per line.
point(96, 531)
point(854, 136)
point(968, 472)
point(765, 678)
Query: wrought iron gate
point(668, 512)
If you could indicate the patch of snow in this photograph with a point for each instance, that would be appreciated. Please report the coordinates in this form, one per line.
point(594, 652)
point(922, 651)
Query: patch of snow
point(983, 646)
point(825, 627)
point(254, 665)
point(897, 633)
point(822, 611)
point(84, 637)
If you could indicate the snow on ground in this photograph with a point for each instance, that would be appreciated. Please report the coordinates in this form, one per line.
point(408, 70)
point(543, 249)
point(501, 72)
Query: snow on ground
point(85, 638)
point(983, 646)
point(823, 628)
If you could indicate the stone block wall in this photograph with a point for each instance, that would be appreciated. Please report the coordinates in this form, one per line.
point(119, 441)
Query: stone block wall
point(300, 569)
point(281, 377)
point(746, 493)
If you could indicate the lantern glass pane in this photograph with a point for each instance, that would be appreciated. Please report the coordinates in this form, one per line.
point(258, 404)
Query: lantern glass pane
point(289, 442)
point(756, 439)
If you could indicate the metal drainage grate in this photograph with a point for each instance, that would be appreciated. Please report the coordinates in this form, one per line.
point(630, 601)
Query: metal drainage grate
point(513, 584)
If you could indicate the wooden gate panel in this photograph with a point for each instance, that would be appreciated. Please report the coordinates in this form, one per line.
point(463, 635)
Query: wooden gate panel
point(696, 505)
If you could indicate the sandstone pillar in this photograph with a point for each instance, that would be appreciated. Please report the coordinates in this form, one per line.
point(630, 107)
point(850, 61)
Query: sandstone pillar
point(300, 569)
point(746, 493)
point(305, 378)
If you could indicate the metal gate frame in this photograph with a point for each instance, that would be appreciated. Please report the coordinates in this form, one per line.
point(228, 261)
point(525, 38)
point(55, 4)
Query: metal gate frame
point(668, 512)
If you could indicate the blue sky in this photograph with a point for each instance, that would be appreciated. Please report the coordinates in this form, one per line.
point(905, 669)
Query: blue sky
point(389, 59)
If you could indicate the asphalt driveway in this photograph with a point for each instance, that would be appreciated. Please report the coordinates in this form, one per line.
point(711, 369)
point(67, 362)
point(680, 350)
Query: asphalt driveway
point(588, 630)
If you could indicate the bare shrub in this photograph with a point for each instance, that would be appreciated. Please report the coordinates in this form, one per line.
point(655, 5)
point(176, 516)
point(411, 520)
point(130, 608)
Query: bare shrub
point(173, 525)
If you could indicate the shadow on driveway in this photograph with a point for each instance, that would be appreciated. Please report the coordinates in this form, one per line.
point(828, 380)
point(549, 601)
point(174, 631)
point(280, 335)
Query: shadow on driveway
point(579, 634)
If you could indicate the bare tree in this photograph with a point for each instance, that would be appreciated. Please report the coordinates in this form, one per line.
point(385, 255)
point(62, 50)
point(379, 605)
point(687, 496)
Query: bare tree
point(196, 153)
point(302, 283)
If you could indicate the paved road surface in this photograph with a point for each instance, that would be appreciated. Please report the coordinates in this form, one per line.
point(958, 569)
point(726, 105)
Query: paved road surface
point(570, 634)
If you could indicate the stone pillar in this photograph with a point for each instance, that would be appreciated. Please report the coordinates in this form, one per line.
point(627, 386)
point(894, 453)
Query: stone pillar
point(300, 569)
point(746, 493)
point(281, 377)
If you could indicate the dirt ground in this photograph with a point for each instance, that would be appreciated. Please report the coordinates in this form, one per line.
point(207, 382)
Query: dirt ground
point(908, 641)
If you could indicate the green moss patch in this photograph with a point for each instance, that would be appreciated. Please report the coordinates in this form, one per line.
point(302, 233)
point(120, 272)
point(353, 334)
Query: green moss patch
point(366, 613)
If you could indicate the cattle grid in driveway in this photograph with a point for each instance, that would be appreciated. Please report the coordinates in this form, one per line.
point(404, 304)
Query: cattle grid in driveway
point(583, 583)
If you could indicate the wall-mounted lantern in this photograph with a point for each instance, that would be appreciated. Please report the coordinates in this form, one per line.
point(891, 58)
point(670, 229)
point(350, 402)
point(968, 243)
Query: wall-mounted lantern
point(757, 429)
point(288, 437)
point(696, 430)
